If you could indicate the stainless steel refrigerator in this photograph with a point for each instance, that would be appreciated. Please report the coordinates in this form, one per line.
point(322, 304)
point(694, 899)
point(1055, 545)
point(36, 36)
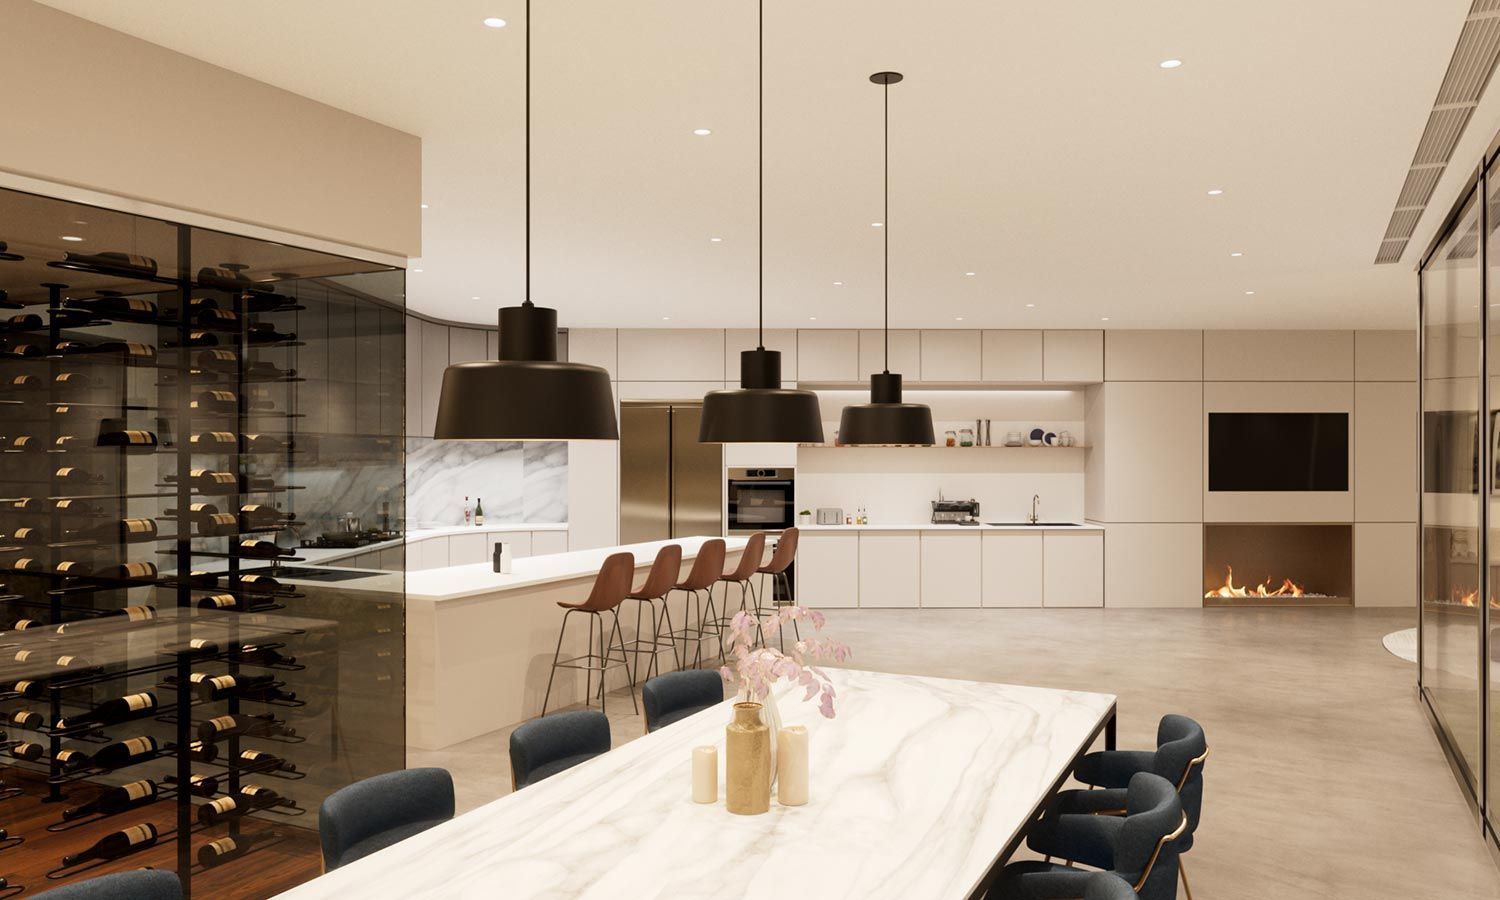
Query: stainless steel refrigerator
point(671, 486)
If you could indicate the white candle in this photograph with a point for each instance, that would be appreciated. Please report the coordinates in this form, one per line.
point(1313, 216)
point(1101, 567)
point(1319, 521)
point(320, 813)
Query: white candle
point(705, 774)
point(791, 765)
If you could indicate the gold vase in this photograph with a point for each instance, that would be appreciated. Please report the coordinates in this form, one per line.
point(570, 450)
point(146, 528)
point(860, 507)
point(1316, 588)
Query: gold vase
point(747, 762)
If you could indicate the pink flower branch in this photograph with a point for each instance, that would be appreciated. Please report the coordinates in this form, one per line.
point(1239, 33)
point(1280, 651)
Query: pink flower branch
point(754, 669)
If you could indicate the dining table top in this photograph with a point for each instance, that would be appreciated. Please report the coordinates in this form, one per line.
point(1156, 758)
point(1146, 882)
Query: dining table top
point(919, 787)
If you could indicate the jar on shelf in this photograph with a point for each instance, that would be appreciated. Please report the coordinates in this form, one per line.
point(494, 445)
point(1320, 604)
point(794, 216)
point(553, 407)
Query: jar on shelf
point(950, 438)
point(966, 437)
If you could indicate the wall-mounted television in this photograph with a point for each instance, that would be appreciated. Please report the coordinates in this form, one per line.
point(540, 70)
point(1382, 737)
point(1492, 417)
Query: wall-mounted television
point(1276, 451)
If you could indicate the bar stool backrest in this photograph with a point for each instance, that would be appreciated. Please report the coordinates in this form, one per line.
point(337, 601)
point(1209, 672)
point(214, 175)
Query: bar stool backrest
point(664, 572)
point(755, 552)
point(782, 556)
point(611, 584)
point(707, 567)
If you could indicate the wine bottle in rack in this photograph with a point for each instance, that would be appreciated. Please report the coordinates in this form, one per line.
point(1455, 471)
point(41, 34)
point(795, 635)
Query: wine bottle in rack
point(25, 443)
point(74, 568)
point(257, 655)
point(79, 507)
point(264, 443)
point(27, 624)
point(69, 662)
point(215, 441)
point(112, 303)
point(261, 549)
point(216, 402)
point(266, 333)
point(217, 359)
point(72, 760)
point(27, 750)
point(65, 442)
point(76, 381)
point(116, 799)
point(113, 433)
point(267, 371)
point(30, 688)
point(198, 338)
point(208, 521)
point(259, 584)
point(221, 727)
point(126, 753)
point(233, 603)
point(134, 350)
point(29, 719)
point(198, 785)
point(211, 483)
point(26, 383)
point(21, 349)
point(262, 761)
point(114, 710)
point(200, 579)
point(259, 517)
point(116, 844)
point(130, 571)
point(198, 751)
point(222, 319)
point(28, 564)
point(125, 531)
point(75, 475)
point(248, 799)
point(29, 536)
point(141, 613)
point(22, 322)
point(224, 849)
point(195, 647)
point(218, 687)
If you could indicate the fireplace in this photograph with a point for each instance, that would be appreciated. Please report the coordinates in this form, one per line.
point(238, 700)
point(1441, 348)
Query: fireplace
point(1276, 565)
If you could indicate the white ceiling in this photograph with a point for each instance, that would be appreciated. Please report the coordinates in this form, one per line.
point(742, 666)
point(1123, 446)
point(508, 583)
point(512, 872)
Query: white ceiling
point(1035, 144)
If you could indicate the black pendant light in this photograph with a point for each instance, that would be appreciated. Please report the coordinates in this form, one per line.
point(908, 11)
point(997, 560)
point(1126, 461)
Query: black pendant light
point(761, 411)
point(885, 419)
point(526, 394)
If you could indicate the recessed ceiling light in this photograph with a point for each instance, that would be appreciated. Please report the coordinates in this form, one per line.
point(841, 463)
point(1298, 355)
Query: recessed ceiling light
point(838, 284)
point(1214, 192)
point(79, 222)
point(1104, 318)
point(970, 274)
point(493, 22)
point(1235, 253)
point(958, 318)
point(666, 318)
point(877, 224)
point(473, 298)
point(717, 240)
point(1170, 64)
point(812, 318)
point(702, 132)
point(424, 206)
point(416, 270)
point(1249, 293)
point(71, 237)
point(1031, 306)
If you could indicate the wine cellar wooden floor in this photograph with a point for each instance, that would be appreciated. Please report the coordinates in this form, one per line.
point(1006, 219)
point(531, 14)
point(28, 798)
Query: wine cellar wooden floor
point(276, 866)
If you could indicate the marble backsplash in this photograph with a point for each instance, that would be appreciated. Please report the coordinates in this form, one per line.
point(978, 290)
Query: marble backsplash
point(519, 482)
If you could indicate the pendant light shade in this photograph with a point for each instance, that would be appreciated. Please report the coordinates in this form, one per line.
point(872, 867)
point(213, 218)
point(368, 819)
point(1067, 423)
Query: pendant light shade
point(886, 420)
point(760, 411)
point(526, 394)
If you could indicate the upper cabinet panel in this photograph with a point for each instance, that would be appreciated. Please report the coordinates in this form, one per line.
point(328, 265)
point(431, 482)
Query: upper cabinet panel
point(1385, 356)
point(671, 354)
point(1278, 356)
point(434, 361)
point(951, 355)
point(827, 354)
point(413, 376)
point(1153, 356)
point(781, 339)
point(1011, 356)
point(906, 353)
point(466, 345)
point(594, 347)
point(1073, 356)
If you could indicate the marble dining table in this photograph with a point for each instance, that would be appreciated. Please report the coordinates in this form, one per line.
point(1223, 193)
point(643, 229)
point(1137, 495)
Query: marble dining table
point(919, 788)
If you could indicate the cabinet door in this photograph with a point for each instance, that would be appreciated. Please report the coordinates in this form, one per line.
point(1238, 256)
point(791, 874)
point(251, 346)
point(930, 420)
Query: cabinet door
point(1073, 568)
point(1012, 569)
point(1073, 356)
point(671, 354)
point(906, 354)
point(469, 549)
point(828, 355)
point(950, 569)
point(466, 345)
point(782, 340)
point(951, 356)
point(431, 553)
point(1011, 356)
point(413, 376)
point(828, 569)
point(545, 543)
point(890, 569)
point(434, 361)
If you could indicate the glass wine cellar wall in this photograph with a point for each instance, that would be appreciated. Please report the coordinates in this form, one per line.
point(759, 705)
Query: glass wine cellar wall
point(195, 427)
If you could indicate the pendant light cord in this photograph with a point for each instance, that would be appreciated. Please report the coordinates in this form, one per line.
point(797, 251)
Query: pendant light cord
point(760, 175)
point(885, 226)
point(527, 296)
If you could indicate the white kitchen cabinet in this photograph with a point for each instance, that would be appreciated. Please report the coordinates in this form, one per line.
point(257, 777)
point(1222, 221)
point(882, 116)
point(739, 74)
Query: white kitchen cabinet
point(1010, 356)
point(431, 553)
point(906, 354)
point(544, 543)
point(951, 356)
point(1011, 568)
point(890, 569)
point(1073, 356)
point(1073, 568)
point(828, 569)
point(828, 355)
point(466, 345)
point(782, 340)
point(469, 549)
point(950, 569)
point(434, 361)
point(671, 354)
point(492, 345)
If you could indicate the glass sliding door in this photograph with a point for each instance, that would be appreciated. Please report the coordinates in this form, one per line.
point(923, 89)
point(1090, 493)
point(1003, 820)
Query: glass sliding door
point(1452, 481)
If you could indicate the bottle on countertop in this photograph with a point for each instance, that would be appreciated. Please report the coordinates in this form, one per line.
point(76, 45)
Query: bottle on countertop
point(478, 511)
point(502, 558)
point(468, 513)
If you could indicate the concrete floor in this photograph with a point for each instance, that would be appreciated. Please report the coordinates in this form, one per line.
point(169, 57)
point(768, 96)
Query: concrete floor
point(1325, 779)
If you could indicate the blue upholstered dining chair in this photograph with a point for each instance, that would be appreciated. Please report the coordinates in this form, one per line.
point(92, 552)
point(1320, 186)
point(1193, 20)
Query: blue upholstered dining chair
point(1078, 823)
point(373, 814)
point(1143, 845)
point(1108, 886)
point(142, 884)
point(543, 747)
point(677, 695)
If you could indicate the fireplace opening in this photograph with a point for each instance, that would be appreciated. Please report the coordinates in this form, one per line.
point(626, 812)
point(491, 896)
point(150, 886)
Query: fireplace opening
point(1278, 565)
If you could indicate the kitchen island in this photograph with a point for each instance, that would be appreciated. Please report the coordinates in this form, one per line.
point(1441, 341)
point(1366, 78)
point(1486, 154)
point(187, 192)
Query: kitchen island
point(479, 645)
point(908, 565)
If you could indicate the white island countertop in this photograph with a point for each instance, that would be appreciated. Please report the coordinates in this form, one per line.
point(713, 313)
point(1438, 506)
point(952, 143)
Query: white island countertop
point(457, 582)
point(928, 526)
point(918, 787)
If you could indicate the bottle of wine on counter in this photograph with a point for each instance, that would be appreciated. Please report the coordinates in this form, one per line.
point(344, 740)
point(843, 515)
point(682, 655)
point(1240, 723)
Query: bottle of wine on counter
point(126, 753)
point(227, 848)
point(258, 516)
point(28, 751)
point(221, 727)
point(116, 844)
point(478, 511)
point(198, 785)
point(118, 709)
point(114, 800)
point(262, 761)
point(247, 799)
point(260, 549)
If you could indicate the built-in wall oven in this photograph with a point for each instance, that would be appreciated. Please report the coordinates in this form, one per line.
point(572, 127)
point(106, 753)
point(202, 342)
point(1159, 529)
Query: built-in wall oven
point(761, 500)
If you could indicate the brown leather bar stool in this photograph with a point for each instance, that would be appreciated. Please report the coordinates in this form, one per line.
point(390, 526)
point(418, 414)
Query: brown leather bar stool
point(750, 562)
point(659, 582)
point(610, 587)
point(707, 568)
point(781, 560)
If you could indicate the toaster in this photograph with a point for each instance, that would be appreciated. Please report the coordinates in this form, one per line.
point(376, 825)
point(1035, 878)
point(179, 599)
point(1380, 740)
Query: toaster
point(829, 515)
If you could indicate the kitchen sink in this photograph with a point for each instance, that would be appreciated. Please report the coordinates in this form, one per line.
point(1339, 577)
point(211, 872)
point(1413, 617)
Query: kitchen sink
point(1034, 524)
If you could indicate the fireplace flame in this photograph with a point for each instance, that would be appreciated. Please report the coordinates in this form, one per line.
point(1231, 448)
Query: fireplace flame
point(1287, 588)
